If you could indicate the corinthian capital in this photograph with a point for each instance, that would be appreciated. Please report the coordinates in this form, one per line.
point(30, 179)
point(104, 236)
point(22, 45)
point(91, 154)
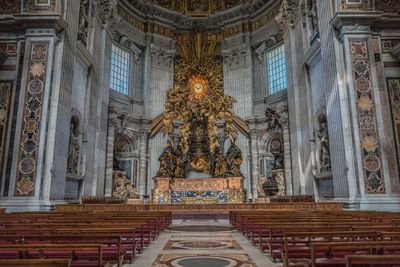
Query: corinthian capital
point(290, 11)
point(107, 10)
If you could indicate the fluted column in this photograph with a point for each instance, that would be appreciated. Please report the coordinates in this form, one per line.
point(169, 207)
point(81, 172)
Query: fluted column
point(254, 161)
point(113, 124)
point(284, 122)
point(143, 162)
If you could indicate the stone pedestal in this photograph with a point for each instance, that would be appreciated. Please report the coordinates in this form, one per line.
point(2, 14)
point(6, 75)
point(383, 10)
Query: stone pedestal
point(198, 191)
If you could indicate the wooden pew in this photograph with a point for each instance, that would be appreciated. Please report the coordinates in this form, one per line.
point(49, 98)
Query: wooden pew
point(373, 260)
point(90, 254)
point(35, 262)
point(297, 244)
point(334, 253)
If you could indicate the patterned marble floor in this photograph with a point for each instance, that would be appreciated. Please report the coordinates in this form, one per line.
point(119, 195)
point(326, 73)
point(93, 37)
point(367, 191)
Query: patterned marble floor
point(201, 243)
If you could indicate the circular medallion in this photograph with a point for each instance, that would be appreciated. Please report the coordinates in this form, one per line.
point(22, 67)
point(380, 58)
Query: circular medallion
point(27, 166)
point(372, 163)
point(363, 85)
point(31, 125)
point(205, 261)
point(275, 144)
point(35, 86)
point(198, 86)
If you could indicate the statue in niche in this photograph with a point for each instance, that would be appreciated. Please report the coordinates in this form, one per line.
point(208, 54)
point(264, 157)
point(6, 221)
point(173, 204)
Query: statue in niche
point(220, 163)
point(74, 147)
point(272, 119)
point(234, 159)
point(122, 186)
point(323, 142)
point(83, 21)
point(313, 15)
point(167, 161)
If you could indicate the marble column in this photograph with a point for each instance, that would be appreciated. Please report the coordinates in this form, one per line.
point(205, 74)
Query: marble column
point(284, 122)
point(143, 162)
point(113, 124)
point(254, 161)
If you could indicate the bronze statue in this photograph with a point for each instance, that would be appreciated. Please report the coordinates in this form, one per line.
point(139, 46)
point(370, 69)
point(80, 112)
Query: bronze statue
point(220, 164)
point(234, 159)
point(180, 163)
point(167, 161)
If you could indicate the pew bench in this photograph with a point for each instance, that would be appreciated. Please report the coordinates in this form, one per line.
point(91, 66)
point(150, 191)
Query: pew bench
point(35, 263)
point(82, 255)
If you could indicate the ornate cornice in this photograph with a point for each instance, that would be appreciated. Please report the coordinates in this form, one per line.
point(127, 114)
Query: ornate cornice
point(149, 17)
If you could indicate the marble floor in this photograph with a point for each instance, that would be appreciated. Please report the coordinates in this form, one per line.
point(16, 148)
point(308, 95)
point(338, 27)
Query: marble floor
point(202, 243)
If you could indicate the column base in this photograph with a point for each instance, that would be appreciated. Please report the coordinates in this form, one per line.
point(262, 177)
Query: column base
point(381, 203)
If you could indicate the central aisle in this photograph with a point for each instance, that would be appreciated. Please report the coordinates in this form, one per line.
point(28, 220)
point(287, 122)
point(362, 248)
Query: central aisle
point(202, 243)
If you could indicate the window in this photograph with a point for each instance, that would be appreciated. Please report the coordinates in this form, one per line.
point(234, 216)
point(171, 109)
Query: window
point(276, 66)
point(119, 70)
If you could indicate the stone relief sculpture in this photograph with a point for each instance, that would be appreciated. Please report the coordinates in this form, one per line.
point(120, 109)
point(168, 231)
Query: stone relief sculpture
point(74, 147)
point(123, 187)
point(323, 146)
point(272, 119)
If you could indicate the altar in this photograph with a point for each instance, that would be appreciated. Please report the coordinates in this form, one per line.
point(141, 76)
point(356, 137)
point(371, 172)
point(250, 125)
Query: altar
point(198, 190)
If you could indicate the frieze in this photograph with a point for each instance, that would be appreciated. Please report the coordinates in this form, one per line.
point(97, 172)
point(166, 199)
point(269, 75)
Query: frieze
point(5, 101)
point(355, 28)
point(30, 129)
point(369, 139)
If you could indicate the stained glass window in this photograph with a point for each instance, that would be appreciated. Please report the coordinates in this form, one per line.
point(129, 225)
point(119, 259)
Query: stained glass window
point(276, 66)
point(119, 70)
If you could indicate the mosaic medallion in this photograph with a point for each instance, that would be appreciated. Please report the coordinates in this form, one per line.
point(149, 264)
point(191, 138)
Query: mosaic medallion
point(27, 165)
point(35, 86)
point(372, 163)
point(363, 85)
